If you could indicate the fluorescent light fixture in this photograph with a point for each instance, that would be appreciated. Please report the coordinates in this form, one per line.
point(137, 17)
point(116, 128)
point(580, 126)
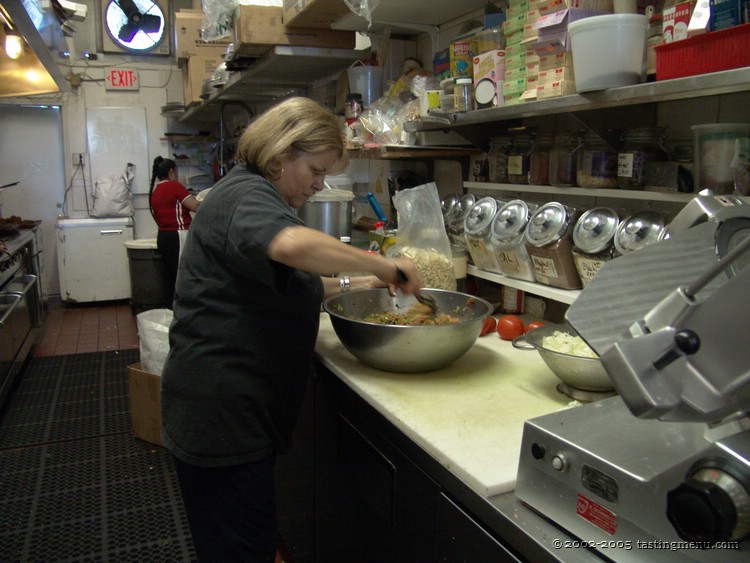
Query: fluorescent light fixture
point(13, 45)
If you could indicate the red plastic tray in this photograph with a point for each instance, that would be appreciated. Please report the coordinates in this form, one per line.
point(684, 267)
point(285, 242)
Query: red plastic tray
point(710, 52)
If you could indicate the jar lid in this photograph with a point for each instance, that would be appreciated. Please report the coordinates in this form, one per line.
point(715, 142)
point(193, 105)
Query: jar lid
point(511, 220)
point(547, 224)
point(480, 216)
point(449, 206)
point(463, 80)
point(641, 229)
point(332, 194)
point(595, 229)
point(464, 205)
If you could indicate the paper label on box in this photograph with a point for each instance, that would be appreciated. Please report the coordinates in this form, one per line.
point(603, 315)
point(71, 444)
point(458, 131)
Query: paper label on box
point(675, 22)
point(489, 73)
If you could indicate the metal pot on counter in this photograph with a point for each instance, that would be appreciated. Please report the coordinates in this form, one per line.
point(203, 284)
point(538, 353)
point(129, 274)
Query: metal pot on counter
point(330, 211)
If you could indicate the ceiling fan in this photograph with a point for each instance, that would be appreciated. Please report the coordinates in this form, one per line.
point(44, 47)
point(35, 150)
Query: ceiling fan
point(135, 26)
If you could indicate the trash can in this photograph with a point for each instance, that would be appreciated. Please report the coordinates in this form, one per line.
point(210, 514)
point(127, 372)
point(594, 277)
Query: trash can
point(149, 281)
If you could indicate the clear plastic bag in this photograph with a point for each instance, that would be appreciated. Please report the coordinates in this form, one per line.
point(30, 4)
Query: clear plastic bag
point(153, 334)
point(421, 235)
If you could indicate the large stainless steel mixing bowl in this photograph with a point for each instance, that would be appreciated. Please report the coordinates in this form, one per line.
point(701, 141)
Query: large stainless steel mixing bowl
point(587, 374)
point(407, 349)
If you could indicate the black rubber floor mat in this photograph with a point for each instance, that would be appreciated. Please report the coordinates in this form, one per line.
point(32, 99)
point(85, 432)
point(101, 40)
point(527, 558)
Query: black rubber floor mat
point(75, 485)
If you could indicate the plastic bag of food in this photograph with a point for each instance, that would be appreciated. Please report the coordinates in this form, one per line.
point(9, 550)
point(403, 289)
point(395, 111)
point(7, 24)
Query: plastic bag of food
point(421, 235)
point(153, 334)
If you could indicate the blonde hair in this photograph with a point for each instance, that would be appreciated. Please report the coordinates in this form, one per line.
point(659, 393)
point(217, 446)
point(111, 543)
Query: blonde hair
point(292, 126)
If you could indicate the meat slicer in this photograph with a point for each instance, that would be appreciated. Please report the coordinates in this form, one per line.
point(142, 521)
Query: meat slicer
point(662, 471)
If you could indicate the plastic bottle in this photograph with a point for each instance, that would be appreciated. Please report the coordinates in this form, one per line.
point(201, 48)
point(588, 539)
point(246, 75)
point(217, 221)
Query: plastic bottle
point(463, 95)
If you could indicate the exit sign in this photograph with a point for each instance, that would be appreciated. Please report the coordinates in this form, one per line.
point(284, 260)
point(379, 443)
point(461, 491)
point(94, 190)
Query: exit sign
point(121, 79)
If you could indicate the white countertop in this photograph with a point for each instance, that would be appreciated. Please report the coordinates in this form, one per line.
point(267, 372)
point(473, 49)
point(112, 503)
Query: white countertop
point(469, 416)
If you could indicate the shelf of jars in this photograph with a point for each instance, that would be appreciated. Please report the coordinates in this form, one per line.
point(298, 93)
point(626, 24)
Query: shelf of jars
point(561, 295)
point(703, 85)
point(673, 197)
point(398, 152)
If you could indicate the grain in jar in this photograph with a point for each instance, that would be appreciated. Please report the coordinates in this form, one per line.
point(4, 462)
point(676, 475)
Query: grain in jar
point(518, 158)
point(498, 158)
point(563, 159)
point(640, 229)
point(549, 244)
point(597, 163)
point(463, 95)
point(509, 238)
point(640, 147)
point(539, 159)
point(478, 233)
point(593, 241)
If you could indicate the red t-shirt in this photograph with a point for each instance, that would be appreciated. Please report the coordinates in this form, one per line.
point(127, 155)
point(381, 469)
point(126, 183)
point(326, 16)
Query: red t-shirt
point(166, 201)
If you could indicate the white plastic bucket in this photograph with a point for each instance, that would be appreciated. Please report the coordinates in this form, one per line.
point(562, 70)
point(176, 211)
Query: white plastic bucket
point(366, 80)
point(608, 51)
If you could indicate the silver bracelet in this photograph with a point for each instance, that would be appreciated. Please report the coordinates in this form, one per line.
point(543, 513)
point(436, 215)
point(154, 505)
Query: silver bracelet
point(345, 284)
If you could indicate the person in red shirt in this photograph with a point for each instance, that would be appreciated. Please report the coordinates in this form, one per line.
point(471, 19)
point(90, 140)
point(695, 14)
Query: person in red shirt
point(171, 204)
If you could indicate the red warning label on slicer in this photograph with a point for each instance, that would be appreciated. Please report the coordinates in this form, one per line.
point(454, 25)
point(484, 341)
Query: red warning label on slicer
point(596, 514)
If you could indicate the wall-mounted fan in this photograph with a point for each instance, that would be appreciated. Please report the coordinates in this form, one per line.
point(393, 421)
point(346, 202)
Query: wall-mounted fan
point(135, 26)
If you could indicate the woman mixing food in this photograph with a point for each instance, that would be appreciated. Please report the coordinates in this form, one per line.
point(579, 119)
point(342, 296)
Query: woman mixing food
point(246, 313)
point(171, 204)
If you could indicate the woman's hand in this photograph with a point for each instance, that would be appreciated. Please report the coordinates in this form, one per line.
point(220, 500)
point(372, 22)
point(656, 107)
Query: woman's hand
point(407, 277)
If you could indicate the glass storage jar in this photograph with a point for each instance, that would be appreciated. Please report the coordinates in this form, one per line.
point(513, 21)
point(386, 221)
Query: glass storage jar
point(539, 159)
point(498, 158)
point(563, 159)
point(593, 241)
point(458, 217)
point(639, 230)
point(549, 244)
point(509, 237)
point(640, 146)
point(597, 163)
point(518, 158)
point(478, 233)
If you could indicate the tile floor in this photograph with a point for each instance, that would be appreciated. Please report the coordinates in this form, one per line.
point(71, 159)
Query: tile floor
point(78, 329)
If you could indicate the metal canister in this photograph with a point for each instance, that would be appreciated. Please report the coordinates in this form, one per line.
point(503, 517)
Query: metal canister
point(509, 237)
point(593, 241)
point(549, 244)
point(449, 206)
point(478, 231)
point(639, 230)
point(458, 217)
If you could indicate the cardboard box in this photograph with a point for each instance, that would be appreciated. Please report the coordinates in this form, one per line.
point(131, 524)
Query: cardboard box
point(675, 22)
point(258, 28)
point(313, 13)
point(145, 404)
point(195, 71)
point(187, 38)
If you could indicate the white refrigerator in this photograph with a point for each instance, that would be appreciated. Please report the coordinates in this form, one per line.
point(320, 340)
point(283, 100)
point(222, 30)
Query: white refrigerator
point(92, 259)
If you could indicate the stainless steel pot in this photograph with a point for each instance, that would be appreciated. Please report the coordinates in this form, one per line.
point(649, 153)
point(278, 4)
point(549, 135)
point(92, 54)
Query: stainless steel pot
point(578, 372)
point(329, 211)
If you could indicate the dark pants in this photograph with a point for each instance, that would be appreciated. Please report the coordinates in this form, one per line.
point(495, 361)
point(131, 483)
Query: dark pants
point(231, 510)
point(168, 243)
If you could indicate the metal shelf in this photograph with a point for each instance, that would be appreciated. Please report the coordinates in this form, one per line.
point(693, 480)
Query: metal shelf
point(585, 192)
point(282, 71)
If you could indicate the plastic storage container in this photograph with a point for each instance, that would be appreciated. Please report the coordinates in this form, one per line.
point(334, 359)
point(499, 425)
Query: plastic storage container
point(519, 157)
point(639, 230)
point(498, 158)
point(549, 244)
point(463, 95)
point(509, 240)
point(563, 159)
point(539, 159)
point(608, 51)
point(640, 147)
point(478, 233)
point(714, 148)
point(150, 284)
point(593, 240)
point(597, 163)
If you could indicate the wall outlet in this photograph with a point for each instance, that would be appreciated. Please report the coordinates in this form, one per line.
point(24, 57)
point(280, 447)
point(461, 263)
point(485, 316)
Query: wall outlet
point(78, 158)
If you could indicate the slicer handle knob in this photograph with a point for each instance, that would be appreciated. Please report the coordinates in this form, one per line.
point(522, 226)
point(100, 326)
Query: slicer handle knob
point(710, 506)
point(686, 342)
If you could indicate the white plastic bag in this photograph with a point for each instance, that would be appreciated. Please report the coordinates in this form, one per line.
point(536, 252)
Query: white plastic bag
point(112, 196)
point(153, 333)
